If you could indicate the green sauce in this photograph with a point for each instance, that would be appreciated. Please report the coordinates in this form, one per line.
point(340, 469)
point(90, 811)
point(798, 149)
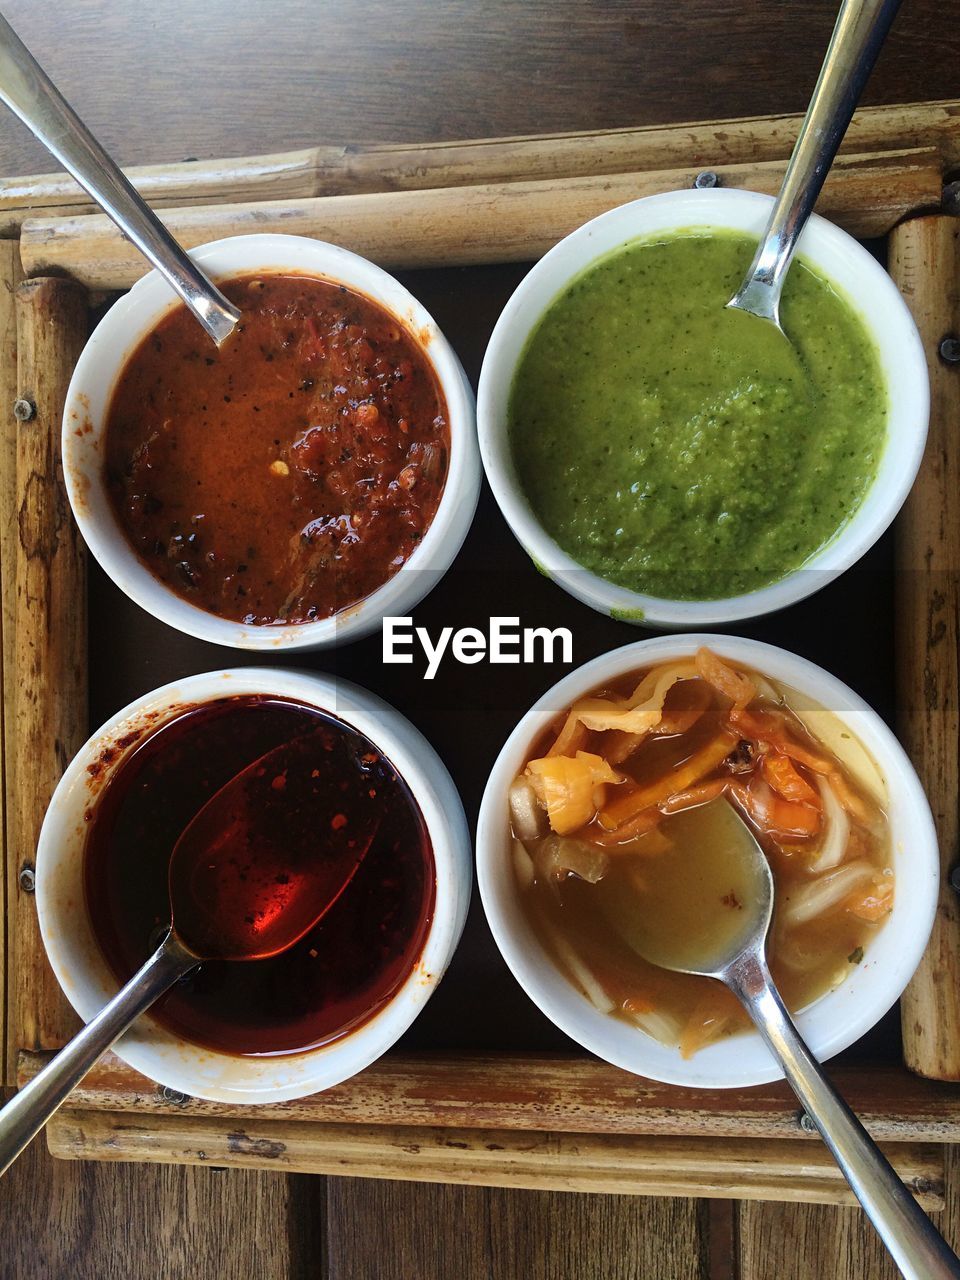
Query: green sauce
point(688, 451)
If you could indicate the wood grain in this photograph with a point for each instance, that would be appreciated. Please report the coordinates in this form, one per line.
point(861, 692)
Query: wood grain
point(50, 702)
point(537, 1092)
point(109, 1222)
point(771, 1170)
point(503, 222)
point(231, 78)
point(10, 276)
point(796, 1242)
point(503, 1235)
point(358, 169)
point(925, 261)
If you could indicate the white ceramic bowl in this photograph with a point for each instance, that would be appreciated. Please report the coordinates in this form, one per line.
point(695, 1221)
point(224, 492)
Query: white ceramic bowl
point(835, 255)
point(88, 401)
point(202, 1072)
point(834, 1021)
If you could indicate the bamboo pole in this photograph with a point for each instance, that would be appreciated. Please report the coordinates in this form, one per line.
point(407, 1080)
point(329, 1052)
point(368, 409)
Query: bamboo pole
point(50, 700)
point(538, 1092)
point(505, 222)
point(501, 1158)
point(925, 262)
point(10, 276)
point(339, 170)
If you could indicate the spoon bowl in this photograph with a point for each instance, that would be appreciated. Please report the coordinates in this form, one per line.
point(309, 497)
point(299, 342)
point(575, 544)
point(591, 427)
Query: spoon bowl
point(240, 885)
point(723, 938)
point(711, 899)
point(241, 888)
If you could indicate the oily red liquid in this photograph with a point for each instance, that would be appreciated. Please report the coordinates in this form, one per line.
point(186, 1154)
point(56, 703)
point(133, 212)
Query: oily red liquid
point(344, 969)
point(288, 474)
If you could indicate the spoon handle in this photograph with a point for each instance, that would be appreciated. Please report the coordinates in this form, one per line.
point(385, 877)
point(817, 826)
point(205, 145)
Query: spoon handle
point(30, 93)
point(29, 1110)
point(914, 1243)
point(861, 28)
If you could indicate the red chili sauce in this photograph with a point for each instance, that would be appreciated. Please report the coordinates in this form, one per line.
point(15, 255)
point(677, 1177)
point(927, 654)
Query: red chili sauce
point(343, 970)
point(289, 474)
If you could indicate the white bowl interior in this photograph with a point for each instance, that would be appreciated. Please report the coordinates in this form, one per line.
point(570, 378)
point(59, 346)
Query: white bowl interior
point(830, 1024)
point(202, 1072)
point(88, 401)
point(830, 251)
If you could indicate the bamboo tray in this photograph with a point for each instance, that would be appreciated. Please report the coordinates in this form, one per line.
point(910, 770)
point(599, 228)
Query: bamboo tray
point(482, 1090)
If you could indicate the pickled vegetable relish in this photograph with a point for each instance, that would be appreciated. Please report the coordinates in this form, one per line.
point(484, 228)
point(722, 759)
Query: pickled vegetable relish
point(624, 785)
point(288, 474)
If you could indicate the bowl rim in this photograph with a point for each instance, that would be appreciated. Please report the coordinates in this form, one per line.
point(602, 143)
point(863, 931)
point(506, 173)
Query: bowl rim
point(156, 1052)
point(833, 1022)
point(91, 389)
point(906, 379)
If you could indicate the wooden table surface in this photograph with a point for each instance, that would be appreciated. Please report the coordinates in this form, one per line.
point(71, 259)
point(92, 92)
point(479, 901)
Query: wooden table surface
point(234, 77)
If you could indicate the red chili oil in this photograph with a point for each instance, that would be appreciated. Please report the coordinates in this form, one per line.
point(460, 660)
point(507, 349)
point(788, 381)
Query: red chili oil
point(343, 970)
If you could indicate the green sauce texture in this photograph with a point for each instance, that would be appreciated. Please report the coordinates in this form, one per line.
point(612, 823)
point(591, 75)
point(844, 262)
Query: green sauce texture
point(688, 451)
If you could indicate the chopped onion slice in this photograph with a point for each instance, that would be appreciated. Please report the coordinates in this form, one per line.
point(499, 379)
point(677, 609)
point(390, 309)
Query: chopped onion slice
point(661, 1026)
point(556, 854)
point(523, 867)
point(836, 832)
point(526, 816)
point(824, 893)
point(578, 971)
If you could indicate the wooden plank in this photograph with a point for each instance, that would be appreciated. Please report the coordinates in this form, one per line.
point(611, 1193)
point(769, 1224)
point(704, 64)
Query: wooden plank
point(925, 262)
point(354, 170)
point(733, 1169)
point(574, 1095)
point(504, 222)
point(50, 703)
point(795, 1242)
point(108, 1222)
point(10, 276)
point(475, 1233)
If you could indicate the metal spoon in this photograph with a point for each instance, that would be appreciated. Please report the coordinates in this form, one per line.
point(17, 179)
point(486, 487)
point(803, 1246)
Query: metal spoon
point(30, 93)
point(236, 893)
point(861, 29)
point(740, 962)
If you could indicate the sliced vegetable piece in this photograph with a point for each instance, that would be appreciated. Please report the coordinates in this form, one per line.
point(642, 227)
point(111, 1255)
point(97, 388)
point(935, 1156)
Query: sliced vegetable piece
point(773, 815)
point(732, 684)
point(640, 835)
point(643, 709)
point(556, 855)
point(631, 803)
point(693, 797)
point(566, 787)
point(840, 739)
point(874, 903)
point(836, 832)
point(711, 1016)
point(571, 738)
point(526, 814)
point(786, 779)
point(658, 1024)
point(523, 867)
point(825, 893)
point(578, 970)
point(693, 703)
